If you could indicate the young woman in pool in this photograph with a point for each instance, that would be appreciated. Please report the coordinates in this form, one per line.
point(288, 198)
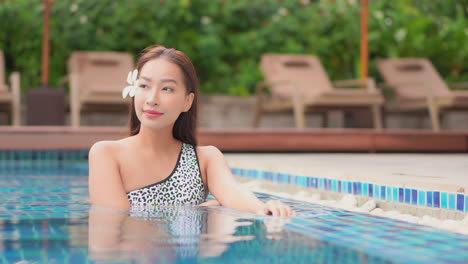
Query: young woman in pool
point(160, 163)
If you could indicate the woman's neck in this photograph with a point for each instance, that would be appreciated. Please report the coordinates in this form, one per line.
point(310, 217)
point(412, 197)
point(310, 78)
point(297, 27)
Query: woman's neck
point(158, 141)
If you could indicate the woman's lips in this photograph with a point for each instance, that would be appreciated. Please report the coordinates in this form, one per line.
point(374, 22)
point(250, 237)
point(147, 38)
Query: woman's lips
point(152, 114)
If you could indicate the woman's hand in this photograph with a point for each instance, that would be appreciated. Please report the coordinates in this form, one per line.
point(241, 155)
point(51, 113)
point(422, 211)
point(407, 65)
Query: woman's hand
point(276, 208)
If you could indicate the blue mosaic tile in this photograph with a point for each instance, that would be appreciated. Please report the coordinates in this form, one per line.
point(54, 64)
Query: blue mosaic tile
point(460, 202)
point(444, 200)
point(340, 186)
point(414, 196)
point(315, 182)
point(299, 180)
point(383, 191)
point(452, 201)
point(377, 191)
point(422, 198)
point(407, 195)
point(269, 176)
point(437, 199)
point(401, 195)
point(430, 201)
point(350, 187)
point(345, 186)
point(295, 180)
point(304, 181)
point(254, 174)
point(371, 190)
point(281, 177)
point(310, 181)
point(395, 194)
point(355, 188)
point(365, 189)
point(274, 176)
point(466, 203)
point(307, 183)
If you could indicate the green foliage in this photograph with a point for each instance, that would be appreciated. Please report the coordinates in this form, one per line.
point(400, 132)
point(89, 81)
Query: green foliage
point(225, 38)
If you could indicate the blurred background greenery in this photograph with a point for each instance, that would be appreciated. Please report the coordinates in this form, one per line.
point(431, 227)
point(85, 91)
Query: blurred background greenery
point(225, 38)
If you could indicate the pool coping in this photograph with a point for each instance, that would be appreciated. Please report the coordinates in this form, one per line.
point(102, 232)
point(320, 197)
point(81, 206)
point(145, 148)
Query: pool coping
point(251, 139)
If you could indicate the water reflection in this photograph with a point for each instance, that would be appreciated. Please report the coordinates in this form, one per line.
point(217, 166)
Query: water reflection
point(170, 233)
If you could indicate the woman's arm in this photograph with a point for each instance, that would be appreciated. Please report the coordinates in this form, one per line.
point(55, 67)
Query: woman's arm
point(229, 193)
point(104, 229)
point(105, 184)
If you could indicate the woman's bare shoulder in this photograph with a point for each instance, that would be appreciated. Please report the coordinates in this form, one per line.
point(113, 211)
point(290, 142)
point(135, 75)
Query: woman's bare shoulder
point(109, 148)
point(207, 153)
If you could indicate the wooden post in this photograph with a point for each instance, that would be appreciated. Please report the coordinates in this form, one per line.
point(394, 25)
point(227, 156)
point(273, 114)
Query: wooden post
point(364, 43)
point(45, 44)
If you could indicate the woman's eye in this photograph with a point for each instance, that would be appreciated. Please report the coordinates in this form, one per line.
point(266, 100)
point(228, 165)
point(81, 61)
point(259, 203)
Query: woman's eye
point(168, 89)
point(143, 86)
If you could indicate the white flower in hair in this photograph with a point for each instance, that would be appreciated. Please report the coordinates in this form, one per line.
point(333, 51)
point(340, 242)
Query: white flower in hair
point(132, 80)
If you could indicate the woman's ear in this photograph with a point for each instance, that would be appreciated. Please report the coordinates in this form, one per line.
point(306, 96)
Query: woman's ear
point(188, 101)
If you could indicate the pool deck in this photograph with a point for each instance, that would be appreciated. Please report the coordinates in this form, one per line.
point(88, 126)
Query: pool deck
point(443, 172)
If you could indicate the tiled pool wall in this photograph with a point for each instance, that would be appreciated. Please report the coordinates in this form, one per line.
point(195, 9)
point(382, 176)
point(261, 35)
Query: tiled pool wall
point(40, 162)
point(409, 196)
point(74, 162)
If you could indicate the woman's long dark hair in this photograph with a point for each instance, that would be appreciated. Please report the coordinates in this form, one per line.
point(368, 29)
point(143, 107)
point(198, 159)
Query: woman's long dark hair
point(186, 124)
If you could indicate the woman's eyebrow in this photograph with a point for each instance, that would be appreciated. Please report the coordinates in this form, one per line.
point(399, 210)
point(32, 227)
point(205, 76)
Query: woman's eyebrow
point(168, 80)
point(162, 80)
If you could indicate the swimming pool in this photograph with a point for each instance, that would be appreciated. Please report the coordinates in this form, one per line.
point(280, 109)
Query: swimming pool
point(44, 218)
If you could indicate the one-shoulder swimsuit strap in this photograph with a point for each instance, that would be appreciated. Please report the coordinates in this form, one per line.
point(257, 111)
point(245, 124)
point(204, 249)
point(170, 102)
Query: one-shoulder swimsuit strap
point(183, 186)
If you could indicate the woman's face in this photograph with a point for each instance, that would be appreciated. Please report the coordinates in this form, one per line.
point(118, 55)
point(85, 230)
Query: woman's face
point(161, 95)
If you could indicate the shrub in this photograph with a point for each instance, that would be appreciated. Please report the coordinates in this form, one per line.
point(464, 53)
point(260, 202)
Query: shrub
point(225, 38)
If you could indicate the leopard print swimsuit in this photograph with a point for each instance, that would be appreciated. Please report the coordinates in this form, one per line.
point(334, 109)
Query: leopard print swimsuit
point(182, 187)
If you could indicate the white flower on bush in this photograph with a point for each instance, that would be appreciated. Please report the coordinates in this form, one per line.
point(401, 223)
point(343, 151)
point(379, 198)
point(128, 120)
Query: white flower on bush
point(283, 11)
point(205, 20)
point(133, 84)
point(378, 14)
point(83, 19)
point(352, 2)
point(73, 8)
point(305, 2)
point(400, 34)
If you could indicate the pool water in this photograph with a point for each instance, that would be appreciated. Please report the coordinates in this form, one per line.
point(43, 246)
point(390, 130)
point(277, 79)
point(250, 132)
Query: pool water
point(45, 218)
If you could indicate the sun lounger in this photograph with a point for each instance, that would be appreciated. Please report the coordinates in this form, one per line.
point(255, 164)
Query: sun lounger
point(96, 81)
point(417, 86)
point(10, 95)
point(300, 83)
